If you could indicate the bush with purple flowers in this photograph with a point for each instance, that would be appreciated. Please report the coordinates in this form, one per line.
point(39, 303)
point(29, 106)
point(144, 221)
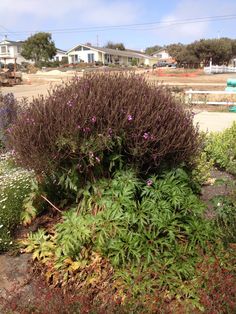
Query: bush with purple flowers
point(86, 124)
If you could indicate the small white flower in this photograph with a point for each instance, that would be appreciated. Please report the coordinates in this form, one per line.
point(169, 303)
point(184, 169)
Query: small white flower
point(218, 204)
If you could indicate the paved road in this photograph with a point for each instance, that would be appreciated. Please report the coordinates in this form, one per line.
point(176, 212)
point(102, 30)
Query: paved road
point(214, 121)
point(207, 121)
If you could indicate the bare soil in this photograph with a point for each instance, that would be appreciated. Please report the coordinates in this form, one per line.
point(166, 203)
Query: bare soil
point(39, 83)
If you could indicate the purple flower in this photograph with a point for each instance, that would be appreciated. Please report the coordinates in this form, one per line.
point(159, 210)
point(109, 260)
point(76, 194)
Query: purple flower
point(97, 159)
point(149, 182)
point(70, 103)
point(146, 136)
point(94, 119)
point(130, 118)
point(110, 131)
point(86, 130)
point(78, 126)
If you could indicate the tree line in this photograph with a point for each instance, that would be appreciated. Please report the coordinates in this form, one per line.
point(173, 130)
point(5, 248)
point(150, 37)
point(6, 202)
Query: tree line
point(40, 47)
point(201, 52)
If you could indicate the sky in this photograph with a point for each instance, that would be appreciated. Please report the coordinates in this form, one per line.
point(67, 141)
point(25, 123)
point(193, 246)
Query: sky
point(136, 23)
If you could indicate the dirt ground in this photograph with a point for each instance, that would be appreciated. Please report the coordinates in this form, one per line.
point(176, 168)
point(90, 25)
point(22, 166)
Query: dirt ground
point(39, 84)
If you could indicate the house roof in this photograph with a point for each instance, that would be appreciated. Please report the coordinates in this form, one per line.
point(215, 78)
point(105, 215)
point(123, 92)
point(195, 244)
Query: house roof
point(61, 51)
point(160, 50)
point(11, 42)
point(125, 53)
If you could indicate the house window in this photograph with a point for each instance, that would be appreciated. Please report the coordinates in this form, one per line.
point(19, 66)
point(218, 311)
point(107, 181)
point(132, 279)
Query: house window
point(90, 57)
point(3, 49)
point(76, 58)
point(108, 58)
point(85, 48)
point(78, 48)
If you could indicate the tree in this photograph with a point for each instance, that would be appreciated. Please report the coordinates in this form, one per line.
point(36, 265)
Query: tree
point(39, 47)
point(175, 50)
point(219, 50)
point(111, 45)
point(150, 50)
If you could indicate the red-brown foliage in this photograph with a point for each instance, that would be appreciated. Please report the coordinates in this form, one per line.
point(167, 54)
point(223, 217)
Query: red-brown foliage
point(218, 292)
point(88, 117)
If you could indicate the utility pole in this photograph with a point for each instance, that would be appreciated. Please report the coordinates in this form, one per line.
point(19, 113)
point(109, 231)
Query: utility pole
point(97, 40)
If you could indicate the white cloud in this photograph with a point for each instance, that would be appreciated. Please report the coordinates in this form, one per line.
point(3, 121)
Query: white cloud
point(190, 9)
point(92, 11)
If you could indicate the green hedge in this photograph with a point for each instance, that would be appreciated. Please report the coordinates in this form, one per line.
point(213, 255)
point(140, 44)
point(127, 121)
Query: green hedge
point(221, 148)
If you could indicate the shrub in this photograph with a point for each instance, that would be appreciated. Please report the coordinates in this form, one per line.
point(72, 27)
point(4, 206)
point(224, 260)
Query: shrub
point(224, 215)
point(130, 222)
point(8, 113)
point(84, 124)
point(15, 185)
point(221, 147)
point(202, 169)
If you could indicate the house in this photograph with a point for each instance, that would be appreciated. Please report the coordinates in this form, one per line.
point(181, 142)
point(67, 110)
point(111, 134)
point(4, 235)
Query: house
point(92, 54)
point(163, 55)
point(10, 51)
point(60, 55)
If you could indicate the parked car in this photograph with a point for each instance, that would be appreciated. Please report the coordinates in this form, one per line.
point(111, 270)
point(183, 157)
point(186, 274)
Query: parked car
point(161, 64)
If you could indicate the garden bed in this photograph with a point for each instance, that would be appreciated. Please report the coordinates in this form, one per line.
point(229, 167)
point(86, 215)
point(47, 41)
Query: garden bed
point(122, 214)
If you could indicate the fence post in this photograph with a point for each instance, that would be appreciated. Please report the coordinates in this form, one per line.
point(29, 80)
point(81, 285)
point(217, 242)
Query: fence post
point(190, 96)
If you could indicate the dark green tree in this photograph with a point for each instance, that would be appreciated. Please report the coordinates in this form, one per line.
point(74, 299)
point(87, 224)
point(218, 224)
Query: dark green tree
point(150, 50)
point(219, 50)
point(111, 45)
point(175, 50)
point(39, 47)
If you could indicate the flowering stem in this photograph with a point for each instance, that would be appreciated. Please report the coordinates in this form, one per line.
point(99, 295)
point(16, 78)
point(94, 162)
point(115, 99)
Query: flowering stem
point(51, 203)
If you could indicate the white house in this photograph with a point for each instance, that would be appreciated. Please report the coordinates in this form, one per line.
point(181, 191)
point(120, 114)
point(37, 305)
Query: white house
point(92, 54)
point(10, 51)
point(60, 55)
point(161, 55)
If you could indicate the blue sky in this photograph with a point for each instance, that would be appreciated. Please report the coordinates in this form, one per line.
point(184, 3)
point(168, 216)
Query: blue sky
point(20, 18)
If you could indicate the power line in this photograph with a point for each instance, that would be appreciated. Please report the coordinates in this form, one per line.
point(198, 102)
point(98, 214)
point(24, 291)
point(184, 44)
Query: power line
point(190, 22)
point(5, 29)
point(133, 27)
